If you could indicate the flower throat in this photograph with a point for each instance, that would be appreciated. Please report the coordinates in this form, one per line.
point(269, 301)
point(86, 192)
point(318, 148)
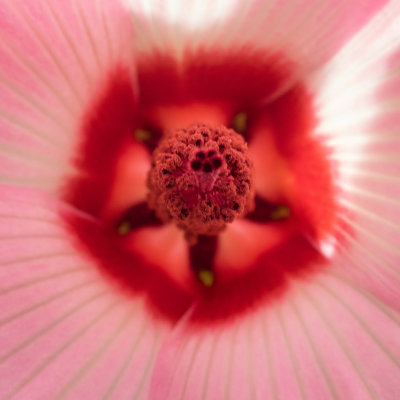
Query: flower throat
point(201, 179)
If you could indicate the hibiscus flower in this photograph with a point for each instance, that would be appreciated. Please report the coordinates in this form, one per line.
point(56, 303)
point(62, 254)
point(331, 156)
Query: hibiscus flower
point(199, 200)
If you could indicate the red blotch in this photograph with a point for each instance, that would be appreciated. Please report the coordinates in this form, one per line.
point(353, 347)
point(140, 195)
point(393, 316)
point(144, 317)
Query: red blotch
point(107, 124)
point(307, 179)
point(239, 77)
point(313, 195)
point(293, 119)
point(238, 80)
point(107, 128)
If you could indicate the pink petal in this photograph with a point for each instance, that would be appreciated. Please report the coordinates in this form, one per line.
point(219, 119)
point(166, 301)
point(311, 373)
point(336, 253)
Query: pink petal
point(54, 55)
point(65, 330)
point(358, 121)
point(310, 32)
point(307, 32)
point(323, 340)
point(336, 335)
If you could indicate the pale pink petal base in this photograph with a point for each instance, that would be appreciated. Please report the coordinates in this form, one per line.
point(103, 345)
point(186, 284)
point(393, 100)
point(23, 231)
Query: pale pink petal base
point(272, 176)
point(66, 331)
point(244, 242)
point(129, 184)
point(165, 248)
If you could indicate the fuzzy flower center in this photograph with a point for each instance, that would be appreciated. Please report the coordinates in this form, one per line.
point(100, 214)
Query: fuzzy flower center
point(201, 179)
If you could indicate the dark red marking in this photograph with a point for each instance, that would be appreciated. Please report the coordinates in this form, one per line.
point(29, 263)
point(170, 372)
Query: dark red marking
point(263, 210)
point(139, 216)
point(202, 253)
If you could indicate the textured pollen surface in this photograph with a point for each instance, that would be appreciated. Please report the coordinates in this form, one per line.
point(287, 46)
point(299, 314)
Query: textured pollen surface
point(201, 178)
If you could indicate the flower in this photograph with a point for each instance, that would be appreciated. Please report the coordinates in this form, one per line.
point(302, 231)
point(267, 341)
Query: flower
point(102, 296)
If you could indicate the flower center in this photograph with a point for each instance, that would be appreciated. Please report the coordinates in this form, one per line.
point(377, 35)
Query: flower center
point(201, 179)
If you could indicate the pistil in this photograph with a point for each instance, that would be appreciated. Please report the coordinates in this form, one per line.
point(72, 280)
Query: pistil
point(201, 179)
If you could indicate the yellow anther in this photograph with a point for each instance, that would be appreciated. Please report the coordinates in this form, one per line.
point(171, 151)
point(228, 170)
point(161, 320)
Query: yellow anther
point(239, 122)
point(280, 212)
point(206, 277)
point(124, 228)
point(141, 135)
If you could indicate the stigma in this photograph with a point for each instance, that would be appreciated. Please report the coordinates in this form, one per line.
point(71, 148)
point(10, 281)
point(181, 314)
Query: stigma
point(201, 179)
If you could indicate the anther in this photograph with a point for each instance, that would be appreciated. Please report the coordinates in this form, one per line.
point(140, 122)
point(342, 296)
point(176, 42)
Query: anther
point(239, 122)
point(206, 277)
point(124, 227)
point(142, 135)
point(280, 212)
